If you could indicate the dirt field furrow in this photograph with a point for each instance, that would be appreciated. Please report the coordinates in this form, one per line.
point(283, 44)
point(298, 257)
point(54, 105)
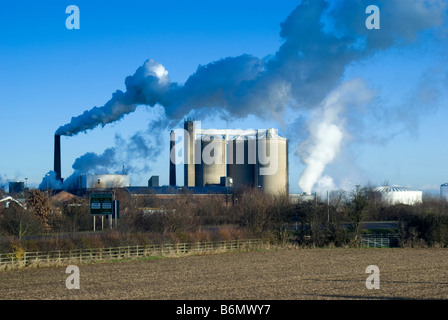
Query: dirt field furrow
point(276, 275)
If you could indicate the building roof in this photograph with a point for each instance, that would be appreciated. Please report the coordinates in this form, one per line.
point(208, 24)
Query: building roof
point(63, 196)
point(385, 189)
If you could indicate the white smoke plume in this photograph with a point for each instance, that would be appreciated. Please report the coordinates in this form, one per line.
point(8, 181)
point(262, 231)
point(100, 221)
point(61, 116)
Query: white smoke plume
point(327, 130)
point(146, 86)
point(49, 181)
point(321, 39)
point(124, 157)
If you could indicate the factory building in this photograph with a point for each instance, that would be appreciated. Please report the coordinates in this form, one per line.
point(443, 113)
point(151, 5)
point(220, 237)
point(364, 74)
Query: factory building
point(237, 158)
point(213, 159)
point(16, 187)
point(102, 181)
point(391, 195)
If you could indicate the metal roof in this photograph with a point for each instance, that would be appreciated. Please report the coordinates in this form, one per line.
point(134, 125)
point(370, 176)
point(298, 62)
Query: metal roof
point(394, 189)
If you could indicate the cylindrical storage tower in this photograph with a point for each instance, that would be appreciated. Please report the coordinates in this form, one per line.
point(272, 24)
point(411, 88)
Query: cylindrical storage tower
point(444, 191)
point(213, 161)
point(272, 162)
point(241, 161)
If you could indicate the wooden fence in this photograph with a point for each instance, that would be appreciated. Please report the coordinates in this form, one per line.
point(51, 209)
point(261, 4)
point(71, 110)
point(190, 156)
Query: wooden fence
point(96, 254)
point(376, 242)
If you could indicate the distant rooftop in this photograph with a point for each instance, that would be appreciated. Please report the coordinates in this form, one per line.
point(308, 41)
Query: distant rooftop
point(394, 189)
point(179, 189)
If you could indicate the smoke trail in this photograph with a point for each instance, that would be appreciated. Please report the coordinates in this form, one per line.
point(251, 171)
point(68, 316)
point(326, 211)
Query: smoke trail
point(128, 155)
point(320, 40)
point(49, 181)
point(327, 130)
point(147, 86)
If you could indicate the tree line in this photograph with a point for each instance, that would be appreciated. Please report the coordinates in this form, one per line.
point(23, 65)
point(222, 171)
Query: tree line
point(333, 221)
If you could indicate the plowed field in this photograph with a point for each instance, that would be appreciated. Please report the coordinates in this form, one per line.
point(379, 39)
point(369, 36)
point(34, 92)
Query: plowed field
point(276, 275)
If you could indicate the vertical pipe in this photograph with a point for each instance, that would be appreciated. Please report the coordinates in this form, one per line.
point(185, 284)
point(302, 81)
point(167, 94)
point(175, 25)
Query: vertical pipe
point(189, 154)
point(172, 159)
point(57, 156)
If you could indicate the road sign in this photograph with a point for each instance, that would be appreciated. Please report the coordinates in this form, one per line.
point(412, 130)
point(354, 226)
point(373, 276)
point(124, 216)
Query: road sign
point(101, 203)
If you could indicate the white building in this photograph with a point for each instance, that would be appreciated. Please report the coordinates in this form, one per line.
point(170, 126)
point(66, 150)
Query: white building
point(391, 195)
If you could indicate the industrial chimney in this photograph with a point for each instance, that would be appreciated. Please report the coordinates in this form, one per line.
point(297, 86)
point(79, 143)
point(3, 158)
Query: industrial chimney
point(57, 157)
point(172, 159)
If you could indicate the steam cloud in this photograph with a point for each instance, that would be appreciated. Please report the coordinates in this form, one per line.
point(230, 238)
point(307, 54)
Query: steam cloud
point(327, 129)
point(321, 39)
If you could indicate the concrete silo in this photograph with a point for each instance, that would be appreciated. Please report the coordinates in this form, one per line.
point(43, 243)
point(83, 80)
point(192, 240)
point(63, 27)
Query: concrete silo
point(241, 161)
point(252, 158)
point(212, 164)
point(272, 163)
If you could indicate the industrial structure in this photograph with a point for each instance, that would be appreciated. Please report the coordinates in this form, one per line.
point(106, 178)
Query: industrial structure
point(444, 191)
point(16, 187)
point(88, 181)
point(218, 158)
point(233, 158)
point(101, 181)
point(391, 195)
point(57, 157)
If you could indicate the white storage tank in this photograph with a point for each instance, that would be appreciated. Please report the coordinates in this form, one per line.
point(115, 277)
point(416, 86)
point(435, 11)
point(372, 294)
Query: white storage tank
point(391, 195)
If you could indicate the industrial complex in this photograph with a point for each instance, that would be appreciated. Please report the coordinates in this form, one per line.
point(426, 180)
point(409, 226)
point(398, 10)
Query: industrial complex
point(218, 161)
point(215, 160)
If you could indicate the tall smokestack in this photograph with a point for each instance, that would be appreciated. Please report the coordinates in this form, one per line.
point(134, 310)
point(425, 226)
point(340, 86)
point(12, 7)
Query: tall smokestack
point(189, 154)
point(172, 159)
point(57, 157)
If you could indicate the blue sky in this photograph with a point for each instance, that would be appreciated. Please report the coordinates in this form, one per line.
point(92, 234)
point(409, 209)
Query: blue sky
point(49, 74)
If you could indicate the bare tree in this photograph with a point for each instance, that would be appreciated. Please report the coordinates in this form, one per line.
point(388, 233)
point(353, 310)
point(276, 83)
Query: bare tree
point(356, 207)
point(18, 222)
point(38, 203)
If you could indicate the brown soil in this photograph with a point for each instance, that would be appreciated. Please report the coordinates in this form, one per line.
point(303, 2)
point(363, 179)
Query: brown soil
point(276, 275)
